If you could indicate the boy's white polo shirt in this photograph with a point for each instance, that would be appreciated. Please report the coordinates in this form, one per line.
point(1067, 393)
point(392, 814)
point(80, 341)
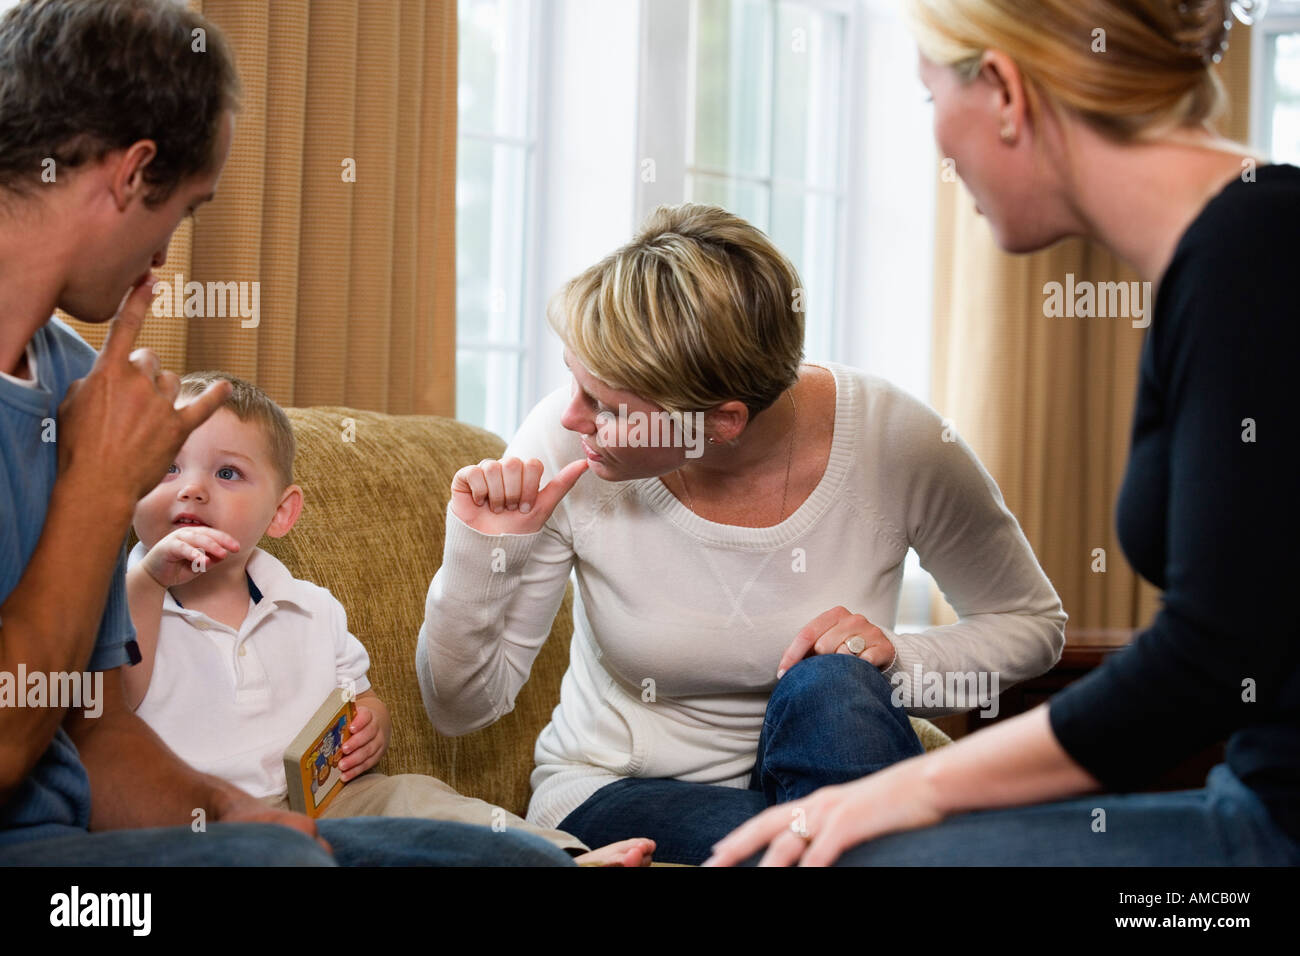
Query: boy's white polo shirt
point(229, 702)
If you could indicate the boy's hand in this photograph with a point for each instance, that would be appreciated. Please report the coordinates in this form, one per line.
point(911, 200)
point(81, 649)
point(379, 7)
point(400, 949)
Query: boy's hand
point(364, 747)
point(185, 554)
point(505, 497)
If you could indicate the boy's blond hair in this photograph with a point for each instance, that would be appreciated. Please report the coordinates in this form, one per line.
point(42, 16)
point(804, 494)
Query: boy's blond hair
point(251, 404)
point(699, 309)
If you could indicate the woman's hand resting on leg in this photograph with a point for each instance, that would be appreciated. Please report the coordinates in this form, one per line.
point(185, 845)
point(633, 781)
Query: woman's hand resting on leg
point(832, 632)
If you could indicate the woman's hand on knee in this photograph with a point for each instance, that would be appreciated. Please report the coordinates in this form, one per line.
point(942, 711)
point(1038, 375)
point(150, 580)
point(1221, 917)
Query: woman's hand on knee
point(506, 497)
point(839, 631)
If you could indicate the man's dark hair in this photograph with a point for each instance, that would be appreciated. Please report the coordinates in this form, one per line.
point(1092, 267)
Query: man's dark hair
point(80, 78)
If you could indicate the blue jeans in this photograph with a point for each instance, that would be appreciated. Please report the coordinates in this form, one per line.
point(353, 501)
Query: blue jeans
point(829, 720)
point(1224, 824)
point(363, 841)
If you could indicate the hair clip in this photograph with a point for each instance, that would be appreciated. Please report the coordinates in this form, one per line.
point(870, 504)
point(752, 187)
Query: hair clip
point(1248, 11)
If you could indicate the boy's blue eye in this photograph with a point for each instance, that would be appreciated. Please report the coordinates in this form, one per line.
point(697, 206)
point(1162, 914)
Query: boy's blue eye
point(172, 469)
point(228, 473)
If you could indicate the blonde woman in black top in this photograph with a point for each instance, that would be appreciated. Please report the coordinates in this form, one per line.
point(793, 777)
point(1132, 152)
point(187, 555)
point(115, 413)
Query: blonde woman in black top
point(1056, 140)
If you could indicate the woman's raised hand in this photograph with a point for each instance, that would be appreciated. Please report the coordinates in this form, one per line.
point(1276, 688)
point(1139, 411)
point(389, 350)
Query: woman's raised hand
point(506, 497)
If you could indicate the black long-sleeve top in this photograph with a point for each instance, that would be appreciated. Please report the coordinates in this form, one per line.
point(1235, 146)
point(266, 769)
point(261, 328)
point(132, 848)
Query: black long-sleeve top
point(1209, 512)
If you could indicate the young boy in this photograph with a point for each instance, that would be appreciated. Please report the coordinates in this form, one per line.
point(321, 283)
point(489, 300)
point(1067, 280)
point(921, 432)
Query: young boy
point(237, 654)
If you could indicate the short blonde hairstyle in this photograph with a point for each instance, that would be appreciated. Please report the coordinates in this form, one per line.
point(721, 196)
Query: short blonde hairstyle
point(1156, 74)
point(699, 309)
point(251, 404)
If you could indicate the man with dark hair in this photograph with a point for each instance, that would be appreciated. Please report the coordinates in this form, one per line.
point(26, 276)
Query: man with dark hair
point(81, 79)
point(116, 117)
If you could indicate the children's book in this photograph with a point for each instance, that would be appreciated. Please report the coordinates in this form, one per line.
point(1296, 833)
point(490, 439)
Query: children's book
point(311, 764)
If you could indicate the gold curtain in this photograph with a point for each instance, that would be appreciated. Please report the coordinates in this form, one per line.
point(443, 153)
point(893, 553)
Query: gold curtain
point(356, 273)
point(1047, 403)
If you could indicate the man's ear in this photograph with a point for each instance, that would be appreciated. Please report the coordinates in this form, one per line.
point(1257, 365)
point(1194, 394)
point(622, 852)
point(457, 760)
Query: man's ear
point(286, 513)
point(727, 421)
point(127, 180)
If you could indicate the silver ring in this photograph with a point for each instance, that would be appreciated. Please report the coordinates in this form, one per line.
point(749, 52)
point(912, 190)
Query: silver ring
point(856, 644)
point(799, 829)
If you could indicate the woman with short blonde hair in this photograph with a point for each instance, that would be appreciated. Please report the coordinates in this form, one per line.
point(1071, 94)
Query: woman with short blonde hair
point(748, 515)
point(1093, 118)
point(699, 287)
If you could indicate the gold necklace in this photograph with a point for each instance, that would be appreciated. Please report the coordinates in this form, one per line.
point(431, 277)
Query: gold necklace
point(789, 460)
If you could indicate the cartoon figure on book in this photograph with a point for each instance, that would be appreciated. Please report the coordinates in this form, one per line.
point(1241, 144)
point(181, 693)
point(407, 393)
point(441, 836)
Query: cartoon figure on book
point(237, 654)
point(325, 750)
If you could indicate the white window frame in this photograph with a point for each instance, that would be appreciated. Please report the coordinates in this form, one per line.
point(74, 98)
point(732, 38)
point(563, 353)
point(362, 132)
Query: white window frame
point(573, 215)
point(1282, 16)
point(665, 134)
point(526, 346)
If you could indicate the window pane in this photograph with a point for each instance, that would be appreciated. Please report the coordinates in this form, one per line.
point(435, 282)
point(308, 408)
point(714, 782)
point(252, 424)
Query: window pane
point(747, 200)
point(768, 126)
point(494, 40)
point(807, 95)
point(490, 191)
point(914, 609)
point(733, 86)
point(804, 227)
point(471, 387)
point(1286, 98)
point(487, 390)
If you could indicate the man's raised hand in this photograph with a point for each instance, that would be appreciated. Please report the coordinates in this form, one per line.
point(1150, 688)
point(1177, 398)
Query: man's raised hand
point(120, 423)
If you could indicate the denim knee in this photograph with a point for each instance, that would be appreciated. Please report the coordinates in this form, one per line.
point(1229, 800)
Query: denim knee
point(824, 677)
point(264, 844)
point(830, 719)
point(529, 849)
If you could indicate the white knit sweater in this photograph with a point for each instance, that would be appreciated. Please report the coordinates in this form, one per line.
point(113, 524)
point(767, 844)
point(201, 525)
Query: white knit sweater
point(679, 622)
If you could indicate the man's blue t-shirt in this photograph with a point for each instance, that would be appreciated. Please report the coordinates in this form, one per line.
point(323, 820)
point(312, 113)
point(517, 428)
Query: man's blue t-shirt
point(56, 793)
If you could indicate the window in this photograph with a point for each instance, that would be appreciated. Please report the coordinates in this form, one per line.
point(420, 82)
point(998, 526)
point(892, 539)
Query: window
point(759, 131)
point(544, 186)
point(1275, 83)
point(497, 140)
point(579, 117)
point(765, 137)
